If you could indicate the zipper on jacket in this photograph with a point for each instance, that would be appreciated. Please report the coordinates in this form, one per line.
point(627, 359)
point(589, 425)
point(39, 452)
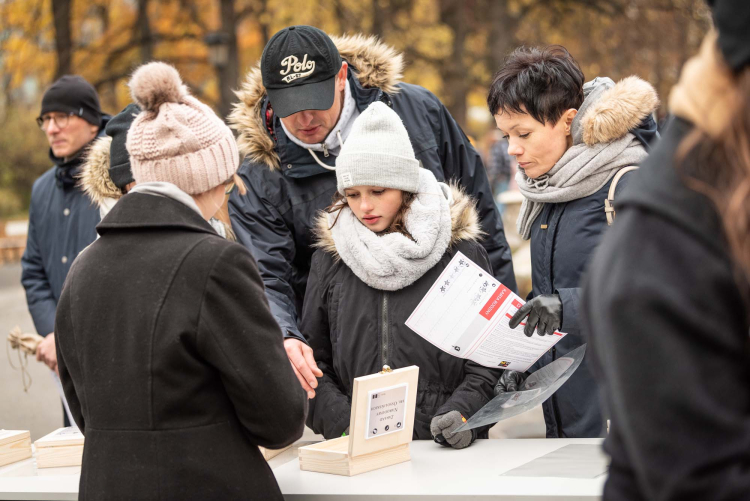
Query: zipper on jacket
point(325, 150)
point(384, 330)
point(555, 408)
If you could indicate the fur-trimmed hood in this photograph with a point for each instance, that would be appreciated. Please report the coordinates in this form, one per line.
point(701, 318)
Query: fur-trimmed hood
point(619, 110)
point(94, 177)
point(377, 66)
point(464, 223)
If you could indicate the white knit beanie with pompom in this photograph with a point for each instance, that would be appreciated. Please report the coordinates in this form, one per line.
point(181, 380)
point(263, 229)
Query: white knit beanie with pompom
point(177, 139)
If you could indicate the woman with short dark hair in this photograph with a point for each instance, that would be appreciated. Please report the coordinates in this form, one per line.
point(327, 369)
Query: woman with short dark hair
point(571, 139)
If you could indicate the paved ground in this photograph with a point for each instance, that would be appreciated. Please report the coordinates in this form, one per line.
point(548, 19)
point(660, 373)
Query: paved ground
point(40, 410)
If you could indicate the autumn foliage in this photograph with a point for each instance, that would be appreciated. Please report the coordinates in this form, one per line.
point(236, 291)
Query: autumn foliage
point(452, 47)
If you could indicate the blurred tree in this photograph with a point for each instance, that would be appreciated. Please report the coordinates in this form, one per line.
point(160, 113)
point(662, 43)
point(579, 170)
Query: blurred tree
point(452, 47)
point(61, 13)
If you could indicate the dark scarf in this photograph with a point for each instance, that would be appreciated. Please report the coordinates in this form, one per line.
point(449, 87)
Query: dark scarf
point(66, 172)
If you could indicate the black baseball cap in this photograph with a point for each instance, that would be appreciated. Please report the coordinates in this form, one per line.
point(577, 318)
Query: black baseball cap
point(299, 67)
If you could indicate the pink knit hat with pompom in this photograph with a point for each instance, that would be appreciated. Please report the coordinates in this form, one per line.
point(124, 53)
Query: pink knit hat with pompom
point(176, 138)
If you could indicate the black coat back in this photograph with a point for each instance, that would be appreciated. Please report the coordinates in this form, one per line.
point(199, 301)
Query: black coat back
point(172, 362)
point(667, 314)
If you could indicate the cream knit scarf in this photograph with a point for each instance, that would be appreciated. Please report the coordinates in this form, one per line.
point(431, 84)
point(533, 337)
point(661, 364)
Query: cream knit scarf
point(393, 261)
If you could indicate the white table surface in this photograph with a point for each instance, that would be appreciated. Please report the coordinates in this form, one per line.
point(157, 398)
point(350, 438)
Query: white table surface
point(434, 472)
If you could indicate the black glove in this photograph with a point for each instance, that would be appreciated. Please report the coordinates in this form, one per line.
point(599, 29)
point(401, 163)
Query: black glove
point(545, 315)
point(442, 428)
point(510, 381)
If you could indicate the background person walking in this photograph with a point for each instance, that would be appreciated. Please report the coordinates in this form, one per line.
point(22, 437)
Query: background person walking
point(61, 220)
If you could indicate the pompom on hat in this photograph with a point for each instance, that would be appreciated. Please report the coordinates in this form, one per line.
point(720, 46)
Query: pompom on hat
point(177, 139)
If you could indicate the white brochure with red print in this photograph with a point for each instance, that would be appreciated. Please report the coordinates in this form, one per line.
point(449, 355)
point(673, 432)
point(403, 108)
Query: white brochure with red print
point(466, 313)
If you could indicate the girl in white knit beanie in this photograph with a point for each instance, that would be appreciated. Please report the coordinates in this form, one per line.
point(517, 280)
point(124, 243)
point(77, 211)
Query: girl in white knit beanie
point(390, 232)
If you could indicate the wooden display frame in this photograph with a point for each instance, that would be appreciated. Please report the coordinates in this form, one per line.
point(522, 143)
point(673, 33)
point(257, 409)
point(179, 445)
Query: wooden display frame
point(355, 454)
point(62, 447)
point(15, 445)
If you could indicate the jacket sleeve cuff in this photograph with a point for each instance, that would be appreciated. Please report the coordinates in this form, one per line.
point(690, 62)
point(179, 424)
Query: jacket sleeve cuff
point(571, 303)
point(43, 315)
point(294, 334)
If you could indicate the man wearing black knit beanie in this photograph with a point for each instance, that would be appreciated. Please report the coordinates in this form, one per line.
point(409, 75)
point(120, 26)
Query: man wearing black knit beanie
point(62, 221)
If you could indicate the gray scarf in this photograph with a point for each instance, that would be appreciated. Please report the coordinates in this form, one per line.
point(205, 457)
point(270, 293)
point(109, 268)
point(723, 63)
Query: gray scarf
point(583, 169)
point(394, 261)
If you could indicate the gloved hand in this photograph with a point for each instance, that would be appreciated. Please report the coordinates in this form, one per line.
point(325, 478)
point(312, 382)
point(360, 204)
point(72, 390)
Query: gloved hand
point(545, 315)
point(442, 428)
point(510, 381)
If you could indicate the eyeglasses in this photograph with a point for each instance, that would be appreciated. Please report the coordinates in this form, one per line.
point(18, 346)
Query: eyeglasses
point(61, 120)
point(229, 186)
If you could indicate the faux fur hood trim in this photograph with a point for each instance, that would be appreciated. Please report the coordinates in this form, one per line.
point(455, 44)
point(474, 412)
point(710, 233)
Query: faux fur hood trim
point(378, 65)
point(94, 177)
point(619, 110)
point(464, 223)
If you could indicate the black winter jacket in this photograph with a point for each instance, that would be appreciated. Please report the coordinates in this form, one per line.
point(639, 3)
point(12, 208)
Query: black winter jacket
point(355, 329)
point(563, 239)
point(668, 317)
point(171, 361)
point(287, 188)
point(62, 222)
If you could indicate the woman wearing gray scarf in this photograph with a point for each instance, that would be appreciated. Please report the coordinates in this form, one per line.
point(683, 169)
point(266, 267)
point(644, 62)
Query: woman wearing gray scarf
point(570, 140)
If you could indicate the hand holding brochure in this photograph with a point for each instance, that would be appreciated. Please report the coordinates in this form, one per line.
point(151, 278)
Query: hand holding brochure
point(466, 313)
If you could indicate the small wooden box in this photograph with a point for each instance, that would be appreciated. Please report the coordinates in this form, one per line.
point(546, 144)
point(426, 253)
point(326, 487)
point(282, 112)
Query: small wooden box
point(15, 445)
point(63, 447)
point(272, 453)
point(380, 431)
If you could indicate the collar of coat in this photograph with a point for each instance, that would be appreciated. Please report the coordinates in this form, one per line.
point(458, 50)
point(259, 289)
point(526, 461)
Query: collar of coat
point(94, 175)
point(619, 110)
point(140, 211)
point(374, 64)
point(464, 223)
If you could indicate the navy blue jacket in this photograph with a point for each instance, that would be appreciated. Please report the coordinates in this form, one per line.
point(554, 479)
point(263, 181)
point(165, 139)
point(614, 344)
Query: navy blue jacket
point(287, 188)
point(62, 222)
point(560, 253)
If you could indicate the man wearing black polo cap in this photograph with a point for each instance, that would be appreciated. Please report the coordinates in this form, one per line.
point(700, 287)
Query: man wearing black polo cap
point(62, 220)
point(295, 112)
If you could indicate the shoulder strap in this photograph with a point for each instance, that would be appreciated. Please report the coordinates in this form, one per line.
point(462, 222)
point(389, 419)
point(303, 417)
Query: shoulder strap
point(609, 202)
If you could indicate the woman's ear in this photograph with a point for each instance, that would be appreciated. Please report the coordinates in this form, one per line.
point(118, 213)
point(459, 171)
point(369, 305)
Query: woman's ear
point(568, 116)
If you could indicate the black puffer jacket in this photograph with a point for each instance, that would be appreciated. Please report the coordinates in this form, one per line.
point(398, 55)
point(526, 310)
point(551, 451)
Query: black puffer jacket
point(287, 188)
point(354, 330)
point(563, 239)
point(667, 310)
